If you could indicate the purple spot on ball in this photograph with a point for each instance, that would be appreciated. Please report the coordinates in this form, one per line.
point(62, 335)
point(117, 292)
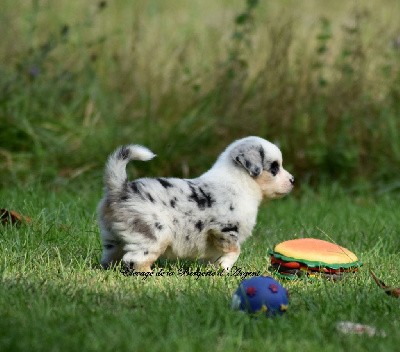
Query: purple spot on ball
point(273, 288)
point(251, 291)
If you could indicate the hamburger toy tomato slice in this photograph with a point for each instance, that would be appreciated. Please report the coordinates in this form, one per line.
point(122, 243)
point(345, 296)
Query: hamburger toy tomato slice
point(310, 256)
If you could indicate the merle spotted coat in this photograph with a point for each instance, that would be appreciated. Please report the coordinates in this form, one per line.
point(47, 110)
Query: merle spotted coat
point(206, 218)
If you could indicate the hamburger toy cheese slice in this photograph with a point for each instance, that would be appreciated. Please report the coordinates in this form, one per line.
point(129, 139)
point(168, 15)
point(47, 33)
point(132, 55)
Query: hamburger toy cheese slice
point(310, 256)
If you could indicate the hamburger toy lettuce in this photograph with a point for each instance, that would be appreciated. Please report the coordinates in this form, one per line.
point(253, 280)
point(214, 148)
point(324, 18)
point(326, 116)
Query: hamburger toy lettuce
point(309, 256)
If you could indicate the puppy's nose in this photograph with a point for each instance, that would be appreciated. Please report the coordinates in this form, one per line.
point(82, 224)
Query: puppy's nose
point(292, 180)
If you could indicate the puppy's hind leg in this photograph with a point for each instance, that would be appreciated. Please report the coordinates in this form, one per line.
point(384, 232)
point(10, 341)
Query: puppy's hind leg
point(112, 254)
point(140, 257)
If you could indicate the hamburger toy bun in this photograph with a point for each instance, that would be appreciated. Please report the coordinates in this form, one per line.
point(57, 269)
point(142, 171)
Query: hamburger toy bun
point(311, 256)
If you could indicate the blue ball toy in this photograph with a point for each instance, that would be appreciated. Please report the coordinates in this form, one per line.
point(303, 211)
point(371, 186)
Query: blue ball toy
point(261, 294)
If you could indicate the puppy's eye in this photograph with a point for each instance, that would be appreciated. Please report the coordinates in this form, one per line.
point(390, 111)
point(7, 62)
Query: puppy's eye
point(274, 168)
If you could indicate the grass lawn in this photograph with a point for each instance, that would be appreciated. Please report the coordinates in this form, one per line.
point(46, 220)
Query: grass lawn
point(53, 296)
point(79, 78)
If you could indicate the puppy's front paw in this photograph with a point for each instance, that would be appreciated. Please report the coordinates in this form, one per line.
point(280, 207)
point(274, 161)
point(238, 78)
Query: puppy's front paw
point(226, 261)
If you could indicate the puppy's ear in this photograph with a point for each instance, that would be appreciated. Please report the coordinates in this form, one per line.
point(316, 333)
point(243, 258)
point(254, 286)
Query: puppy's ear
point(249, 157)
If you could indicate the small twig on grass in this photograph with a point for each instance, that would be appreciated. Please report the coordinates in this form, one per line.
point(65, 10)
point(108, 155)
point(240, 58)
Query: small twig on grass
point(13, 217)
point(391, 291)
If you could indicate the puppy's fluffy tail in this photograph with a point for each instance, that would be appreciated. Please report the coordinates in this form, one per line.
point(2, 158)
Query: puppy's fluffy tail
point(115, 173)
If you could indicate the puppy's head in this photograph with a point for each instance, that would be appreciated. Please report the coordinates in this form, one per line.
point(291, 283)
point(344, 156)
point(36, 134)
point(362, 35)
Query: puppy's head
point(262, 160)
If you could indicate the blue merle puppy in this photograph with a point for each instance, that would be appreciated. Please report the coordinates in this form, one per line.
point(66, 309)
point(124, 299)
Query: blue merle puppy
point(207, 217)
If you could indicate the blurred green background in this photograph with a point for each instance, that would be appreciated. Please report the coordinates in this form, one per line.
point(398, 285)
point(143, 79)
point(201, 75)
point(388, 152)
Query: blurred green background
point(185, 78)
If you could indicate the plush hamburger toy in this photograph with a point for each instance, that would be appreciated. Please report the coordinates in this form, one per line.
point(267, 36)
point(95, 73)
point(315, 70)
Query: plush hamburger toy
point(311, 256)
